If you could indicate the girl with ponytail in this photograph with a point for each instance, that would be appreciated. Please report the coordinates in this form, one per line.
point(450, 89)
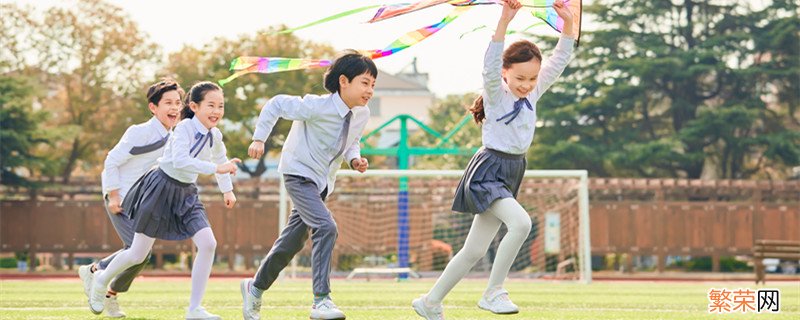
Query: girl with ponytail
point(513, 80)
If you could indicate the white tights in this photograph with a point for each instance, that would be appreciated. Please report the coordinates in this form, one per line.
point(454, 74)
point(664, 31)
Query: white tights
point(201, 270)
point(483, 230)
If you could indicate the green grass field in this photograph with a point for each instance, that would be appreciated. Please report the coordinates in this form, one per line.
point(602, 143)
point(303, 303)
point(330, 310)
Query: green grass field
point(166, 298)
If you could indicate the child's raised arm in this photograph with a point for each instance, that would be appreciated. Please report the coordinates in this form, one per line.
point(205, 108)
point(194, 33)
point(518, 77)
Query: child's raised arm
point(566, 15)
point(510, 8)
point(493, 61)
point(557, 62)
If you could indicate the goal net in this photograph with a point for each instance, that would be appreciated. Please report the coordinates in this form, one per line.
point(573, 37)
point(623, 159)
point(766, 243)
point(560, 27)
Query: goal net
point(400, 223)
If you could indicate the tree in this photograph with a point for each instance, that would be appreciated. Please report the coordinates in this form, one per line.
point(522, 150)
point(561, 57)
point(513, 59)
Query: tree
point(681, 88)
point(19, 130)
point(17, 34)
point(91, 58)
point(246, 95)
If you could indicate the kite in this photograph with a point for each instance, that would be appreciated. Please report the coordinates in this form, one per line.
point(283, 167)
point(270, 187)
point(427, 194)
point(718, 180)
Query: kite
point(542, 9)
point(245, 65)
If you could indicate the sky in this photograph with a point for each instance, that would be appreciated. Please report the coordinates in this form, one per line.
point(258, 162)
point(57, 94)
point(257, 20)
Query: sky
point(452, 62)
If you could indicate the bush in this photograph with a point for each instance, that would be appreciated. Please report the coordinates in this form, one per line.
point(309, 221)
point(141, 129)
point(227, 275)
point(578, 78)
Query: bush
point(730, 264)
point(726, 264)
point(8, 263)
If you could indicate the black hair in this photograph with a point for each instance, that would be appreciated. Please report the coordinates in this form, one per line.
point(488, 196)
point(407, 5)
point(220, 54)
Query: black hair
point(350, 64)
point(157, 90)
point(196, 94)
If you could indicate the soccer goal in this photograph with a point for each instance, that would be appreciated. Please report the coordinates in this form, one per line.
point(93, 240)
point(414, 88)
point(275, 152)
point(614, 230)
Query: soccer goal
point(399, 222)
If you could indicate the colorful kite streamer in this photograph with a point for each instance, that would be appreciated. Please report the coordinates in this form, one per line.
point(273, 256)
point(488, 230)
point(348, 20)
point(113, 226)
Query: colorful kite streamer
point(416, 36)
point(333, 17)
point(542, 9)
point(245, 65)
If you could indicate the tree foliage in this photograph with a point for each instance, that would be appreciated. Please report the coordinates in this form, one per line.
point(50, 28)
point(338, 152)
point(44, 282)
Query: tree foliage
point(681, 88)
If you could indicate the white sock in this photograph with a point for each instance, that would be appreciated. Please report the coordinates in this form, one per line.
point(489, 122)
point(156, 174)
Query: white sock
point(201, 270)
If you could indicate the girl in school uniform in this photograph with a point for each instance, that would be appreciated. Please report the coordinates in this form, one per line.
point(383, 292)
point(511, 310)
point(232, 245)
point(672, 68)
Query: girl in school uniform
point(512, 83)
point(164, 203)
point(135, 153)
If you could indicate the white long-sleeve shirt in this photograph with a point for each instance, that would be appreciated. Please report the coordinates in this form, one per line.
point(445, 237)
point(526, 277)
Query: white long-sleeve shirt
point(183, 162)
point(313, 140)
point(516, 137)
point(122, 168)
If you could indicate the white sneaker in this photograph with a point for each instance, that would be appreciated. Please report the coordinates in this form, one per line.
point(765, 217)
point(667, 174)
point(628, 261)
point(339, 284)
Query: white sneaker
point(251, 305)
point(498, 302)
point(326, 310)
point(86, 275)
point(200, 313)
point(428, 312)
point(97, 297)
point(112, 308)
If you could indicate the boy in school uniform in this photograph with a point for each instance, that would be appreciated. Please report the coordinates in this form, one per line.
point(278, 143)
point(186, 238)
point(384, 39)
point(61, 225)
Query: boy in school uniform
point(326, 131)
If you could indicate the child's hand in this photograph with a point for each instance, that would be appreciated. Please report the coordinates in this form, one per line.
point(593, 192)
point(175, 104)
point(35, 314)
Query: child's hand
point(510, 8)
point(256, 149)
point(563, 11)
point(228, 167)
point(360, 164)
point(114, 202)
point(229, 198)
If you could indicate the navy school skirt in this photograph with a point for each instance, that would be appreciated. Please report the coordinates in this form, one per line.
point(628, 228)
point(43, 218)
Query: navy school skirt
point(165, 208)
point(490, 175)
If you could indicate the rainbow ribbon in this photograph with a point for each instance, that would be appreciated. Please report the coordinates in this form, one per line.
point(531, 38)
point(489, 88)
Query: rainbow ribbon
point(245, 65)
point(542, 9)
point(416, 36)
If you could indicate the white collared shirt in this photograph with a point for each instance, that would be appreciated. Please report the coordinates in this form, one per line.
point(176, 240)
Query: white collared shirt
point(121, 168)
point(516, 137)
point(179, 164)
point(314, 136)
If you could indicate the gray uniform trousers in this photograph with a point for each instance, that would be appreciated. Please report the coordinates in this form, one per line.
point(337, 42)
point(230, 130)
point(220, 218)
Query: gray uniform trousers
point(125, 229)
point(309, 212)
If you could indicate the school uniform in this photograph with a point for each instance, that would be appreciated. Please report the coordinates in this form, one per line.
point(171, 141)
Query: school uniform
point(164, 203)
point(135, 153)
point(497, 169)
point(324, 133)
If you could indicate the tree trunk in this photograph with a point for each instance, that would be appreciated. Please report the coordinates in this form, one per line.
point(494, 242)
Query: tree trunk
point(259, 170)
point(66, 174)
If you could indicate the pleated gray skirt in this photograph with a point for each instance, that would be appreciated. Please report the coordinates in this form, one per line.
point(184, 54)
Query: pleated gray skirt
point(490, 175)
point(165, 208)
